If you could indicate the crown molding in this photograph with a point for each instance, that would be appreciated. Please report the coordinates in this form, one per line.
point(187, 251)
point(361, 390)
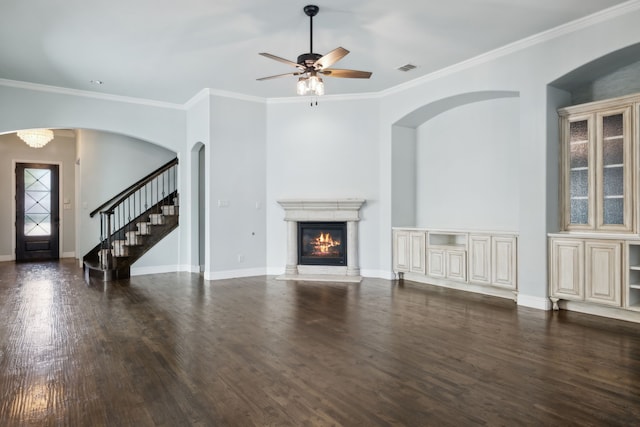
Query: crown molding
point(545, 36)
point(88, 94)
point(323, 98)
point(208, 92)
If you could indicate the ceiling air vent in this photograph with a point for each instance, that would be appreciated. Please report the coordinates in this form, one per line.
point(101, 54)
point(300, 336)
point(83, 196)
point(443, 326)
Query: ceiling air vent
point(406, 67)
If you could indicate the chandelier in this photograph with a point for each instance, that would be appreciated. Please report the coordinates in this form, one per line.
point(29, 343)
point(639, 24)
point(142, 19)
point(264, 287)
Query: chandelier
point(310, 85)
point(36, 138)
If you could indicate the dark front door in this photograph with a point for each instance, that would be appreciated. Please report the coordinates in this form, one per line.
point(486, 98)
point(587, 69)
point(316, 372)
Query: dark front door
point(37, 212)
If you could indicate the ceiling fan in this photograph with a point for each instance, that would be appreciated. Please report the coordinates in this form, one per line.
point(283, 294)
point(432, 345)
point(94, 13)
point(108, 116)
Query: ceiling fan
point(311, 65)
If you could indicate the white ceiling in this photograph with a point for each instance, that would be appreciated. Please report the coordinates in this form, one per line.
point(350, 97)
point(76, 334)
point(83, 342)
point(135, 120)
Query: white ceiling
point(169, 50)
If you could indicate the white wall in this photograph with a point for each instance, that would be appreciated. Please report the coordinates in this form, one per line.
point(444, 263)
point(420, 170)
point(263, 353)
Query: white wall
point(108, 164)
point(467, 174)
point(325, 151)
point(236, 170)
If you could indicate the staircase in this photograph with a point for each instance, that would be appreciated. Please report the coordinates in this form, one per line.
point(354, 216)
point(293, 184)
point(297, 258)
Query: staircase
point(132, 222)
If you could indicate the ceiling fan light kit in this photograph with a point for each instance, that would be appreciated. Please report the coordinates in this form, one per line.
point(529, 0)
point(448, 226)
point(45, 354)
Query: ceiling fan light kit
point(311, 65)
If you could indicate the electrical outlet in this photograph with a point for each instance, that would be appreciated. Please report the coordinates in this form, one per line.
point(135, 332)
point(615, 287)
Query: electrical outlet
point(240, 258)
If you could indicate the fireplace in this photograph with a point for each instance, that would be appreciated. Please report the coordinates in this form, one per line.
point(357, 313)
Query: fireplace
point(336, 217)
point(322, 243)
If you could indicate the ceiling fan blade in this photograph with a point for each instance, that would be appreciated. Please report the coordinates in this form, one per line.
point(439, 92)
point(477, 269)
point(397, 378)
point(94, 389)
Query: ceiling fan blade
point(278, 76)
point(330, 58)
point(277, 58)
point(347, 74)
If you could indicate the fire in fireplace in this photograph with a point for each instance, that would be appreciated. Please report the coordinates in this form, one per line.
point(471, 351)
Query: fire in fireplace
point(322, 243)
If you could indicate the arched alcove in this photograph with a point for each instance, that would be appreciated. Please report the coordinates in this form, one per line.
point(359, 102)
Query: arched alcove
point(454, 163)
point(610, 76)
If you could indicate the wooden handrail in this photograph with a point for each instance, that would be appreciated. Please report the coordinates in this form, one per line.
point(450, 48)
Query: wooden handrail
point(133, 188)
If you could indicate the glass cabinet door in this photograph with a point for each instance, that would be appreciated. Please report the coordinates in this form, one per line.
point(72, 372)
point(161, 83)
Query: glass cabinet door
point(614, 182)
point(579, 165)
point(612, 170)
point(598, 177)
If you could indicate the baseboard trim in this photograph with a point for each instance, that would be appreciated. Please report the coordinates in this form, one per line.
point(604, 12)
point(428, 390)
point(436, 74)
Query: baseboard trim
point(189, 268)
point(378, 274)
point(234, 274)
point(68, 255)
point(158, 269)
point(6, 258)
point(600, 310)
point(534, 302)
point(493, 291)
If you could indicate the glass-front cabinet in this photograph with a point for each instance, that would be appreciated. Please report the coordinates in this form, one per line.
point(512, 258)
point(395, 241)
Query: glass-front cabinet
point(598, 181)
point(594, 259)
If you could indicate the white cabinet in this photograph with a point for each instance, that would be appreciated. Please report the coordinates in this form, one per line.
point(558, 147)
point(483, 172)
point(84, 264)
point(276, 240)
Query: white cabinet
point(447, 263)
point(492, 260)
point(597, 167)
point(480, 259)
point(566, 269)
point(409, 251)
point(588, 270)
point(456, 266)
point(503, 261)
point(599, 198)
point(401, 251)
point(603, 270)
point(437, 266)
point(447, 255)
point(632, 286)
point(457, 258)
point(418, 252)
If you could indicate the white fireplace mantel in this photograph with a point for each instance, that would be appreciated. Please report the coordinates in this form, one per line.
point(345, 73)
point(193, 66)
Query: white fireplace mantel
point(328, 210)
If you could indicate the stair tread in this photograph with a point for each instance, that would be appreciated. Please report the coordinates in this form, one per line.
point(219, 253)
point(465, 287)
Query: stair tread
point(142, 235)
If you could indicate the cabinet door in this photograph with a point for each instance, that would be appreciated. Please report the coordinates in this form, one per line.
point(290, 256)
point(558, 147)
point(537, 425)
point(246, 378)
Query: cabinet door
point(578, 153)
point(436, 262)
point(603, 281)
point(401, 251)
point(567, 269)
point(418, 255)
point(456, 267)
point(614, 174)
point(480, 259)
point(503, 261)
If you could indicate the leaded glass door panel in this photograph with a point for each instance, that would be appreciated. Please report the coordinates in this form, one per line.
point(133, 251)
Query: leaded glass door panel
point(37, 212)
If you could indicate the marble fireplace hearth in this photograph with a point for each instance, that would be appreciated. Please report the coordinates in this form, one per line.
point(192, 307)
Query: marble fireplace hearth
point(325, 210)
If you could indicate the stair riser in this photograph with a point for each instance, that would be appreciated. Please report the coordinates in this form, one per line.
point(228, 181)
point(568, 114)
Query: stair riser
point(169, 210)
point(156, 219)
point(144, 228)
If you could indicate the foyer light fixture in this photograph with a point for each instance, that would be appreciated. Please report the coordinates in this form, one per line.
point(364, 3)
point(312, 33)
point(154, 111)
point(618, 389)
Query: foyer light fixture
point(311, 84)
point(36, 138)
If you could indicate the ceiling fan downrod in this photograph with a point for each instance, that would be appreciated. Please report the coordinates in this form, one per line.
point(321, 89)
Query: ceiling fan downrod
point(311, 11)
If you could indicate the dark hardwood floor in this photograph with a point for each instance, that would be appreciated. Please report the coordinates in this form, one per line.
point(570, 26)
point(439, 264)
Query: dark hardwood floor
point(173, 350)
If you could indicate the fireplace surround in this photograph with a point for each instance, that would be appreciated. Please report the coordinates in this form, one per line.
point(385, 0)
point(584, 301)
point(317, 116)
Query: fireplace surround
point(330, 212)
